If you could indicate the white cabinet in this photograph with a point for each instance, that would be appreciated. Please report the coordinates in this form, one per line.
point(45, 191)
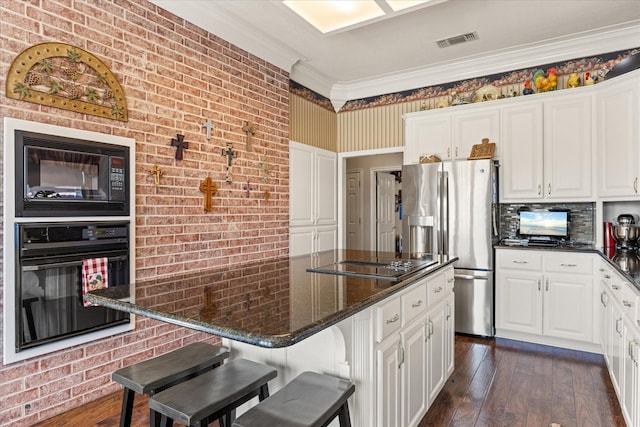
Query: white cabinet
point(547, 148)
point(567, 147)
point(544, 294)
point(449, 133)
point(522, 165)
point(312, 199)
point(618, 109)
point(427, 133)
point(414, 335)
point(620, 303)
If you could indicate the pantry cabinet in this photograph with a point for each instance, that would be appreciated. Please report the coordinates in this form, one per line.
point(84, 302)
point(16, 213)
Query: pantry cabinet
point(312, 202)
point(544, 294)
point(618, 109)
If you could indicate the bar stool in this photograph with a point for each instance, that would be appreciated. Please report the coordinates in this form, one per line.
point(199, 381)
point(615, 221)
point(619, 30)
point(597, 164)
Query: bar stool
point(154, 375)
point(213, 395)
point(309, 400)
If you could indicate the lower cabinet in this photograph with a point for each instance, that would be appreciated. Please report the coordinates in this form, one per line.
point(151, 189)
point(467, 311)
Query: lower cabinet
point(544, 294)
point(619, 312)
point(414, 335)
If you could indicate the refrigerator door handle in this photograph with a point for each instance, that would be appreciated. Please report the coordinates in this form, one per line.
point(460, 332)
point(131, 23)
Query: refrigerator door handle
point(444, 213)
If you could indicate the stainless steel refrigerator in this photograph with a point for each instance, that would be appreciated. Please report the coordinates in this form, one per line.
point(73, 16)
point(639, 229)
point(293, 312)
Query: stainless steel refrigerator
point(449, 209)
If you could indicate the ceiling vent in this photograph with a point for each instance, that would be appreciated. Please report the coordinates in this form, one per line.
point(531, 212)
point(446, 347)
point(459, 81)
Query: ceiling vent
point(462, 38)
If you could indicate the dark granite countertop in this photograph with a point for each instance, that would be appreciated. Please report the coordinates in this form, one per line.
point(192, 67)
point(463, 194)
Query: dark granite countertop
point(270, 303)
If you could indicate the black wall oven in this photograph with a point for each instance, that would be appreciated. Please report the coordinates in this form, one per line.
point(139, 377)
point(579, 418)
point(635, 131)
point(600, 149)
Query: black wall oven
point(49, 278)
point(58, 176)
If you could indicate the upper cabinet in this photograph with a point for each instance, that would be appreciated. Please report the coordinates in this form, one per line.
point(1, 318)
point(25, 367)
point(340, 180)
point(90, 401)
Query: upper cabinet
point(547, 148)
point(449, 133)
point(618, 109)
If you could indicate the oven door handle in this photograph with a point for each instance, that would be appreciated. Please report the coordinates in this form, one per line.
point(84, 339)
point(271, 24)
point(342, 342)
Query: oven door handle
point(66, 264)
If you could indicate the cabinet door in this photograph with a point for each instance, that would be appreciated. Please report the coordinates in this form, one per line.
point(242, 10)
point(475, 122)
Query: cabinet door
point(414, 373)
point(567, 147)
point(388, 383)
point(469, 128)
point(449, 353)
point(325, 238)
point(519, 296)
point(629, 394)
point(427, 135)
point(436, 350)
point(603, 317)
point(325, 186)
point(617, 348)
point(301, 240)
point(301, 185)
point(619, 137)
point(521, 171)
point(568, 306)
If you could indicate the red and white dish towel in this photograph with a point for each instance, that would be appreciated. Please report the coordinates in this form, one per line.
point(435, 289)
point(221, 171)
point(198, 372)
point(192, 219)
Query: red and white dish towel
point(95, 275)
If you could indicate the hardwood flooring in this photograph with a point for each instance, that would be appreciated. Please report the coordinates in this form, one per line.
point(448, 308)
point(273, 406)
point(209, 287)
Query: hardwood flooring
point(495, 383)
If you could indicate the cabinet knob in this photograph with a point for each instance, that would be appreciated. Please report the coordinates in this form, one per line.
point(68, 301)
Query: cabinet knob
point(417, 304)
point(549, 189)
point(635, 185)
point(438, 289)
point(568, 265)
point(539, 189)
point(626, 303)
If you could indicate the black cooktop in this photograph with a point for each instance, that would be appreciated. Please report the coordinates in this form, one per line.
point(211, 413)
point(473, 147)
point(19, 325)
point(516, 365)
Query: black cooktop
point(375, 267)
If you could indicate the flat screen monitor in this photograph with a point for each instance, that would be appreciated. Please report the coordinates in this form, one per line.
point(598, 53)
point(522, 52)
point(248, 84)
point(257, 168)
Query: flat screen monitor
point(544, 223)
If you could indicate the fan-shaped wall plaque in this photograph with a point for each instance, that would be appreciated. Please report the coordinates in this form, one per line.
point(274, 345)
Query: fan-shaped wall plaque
point(65, 76)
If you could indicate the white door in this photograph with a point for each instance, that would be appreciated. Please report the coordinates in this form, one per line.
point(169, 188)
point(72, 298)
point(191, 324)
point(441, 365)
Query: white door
point(354, 210)
point(385, 212)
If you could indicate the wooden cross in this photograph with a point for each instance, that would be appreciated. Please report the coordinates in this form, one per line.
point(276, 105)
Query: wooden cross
point(208, 126)
point(248, 129)
point(180, 145)
point(209, 188)
point(231, 154)
point(157, 173)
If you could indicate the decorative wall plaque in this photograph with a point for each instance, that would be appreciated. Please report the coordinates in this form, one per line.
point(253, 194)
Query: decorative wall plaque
point(64, 76)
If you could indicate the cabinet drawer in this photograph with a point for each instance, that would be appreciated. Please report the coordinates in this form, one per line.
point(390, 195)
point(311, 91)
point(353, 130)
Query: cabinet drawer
point(568, 263)
point(388, 319)
point(436, 289)
point(520, 260)
point(414, 303)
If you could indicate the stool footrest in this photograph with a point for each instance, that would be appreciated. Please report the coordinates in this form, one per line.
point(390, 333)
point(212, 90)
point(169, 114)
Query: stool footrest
point(309, 400)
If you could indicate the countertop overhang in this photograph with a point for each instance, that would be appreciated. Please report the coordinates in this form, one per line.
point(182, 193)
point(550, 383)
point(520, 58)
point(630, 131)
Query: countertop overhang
point(270, 303)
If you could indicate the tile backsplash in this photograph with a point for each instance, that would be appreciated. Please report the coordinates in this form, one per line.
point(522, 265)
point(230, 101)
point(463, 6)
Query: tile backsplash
point(581, 225)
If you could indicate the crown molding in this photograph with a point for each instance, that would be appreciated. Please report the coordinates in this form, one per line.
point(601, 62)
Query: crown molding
point(605, 40)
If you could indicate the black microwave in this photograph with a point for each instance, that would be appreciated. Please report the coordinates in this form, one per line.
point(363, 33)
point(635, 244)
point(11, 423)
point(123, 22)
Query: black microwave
point(60, 176)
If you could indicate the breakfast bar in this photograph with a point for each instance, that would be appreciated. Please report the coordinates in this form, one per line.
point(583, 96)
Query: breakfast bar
point(278, 313)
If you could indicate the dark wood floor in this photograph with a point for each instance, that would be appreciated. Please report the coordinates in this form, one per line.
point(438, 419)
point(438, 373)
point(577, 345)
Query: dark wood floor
point(496, 383)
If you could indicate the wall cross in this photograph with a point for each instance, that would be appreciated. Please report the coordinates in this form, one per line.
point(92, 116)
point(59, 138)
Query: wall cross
point(208, 126)
point(231, 154)
point(180, 145)
point(209, 188)
point(249, 130)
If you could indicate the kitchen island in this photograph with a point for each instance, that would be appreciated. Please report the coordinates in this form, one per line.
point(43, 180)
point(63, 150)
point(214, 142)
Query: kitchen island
point(376, 332)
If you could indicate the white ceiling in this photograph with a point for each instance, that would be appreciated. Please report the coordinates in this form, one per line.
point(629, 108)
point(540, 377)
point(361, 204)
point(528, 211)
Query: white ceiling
point(401, 53)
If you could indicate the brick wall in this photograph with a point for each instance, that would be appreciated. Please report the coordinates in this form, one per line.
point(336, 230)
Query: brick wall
point(175, 76)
